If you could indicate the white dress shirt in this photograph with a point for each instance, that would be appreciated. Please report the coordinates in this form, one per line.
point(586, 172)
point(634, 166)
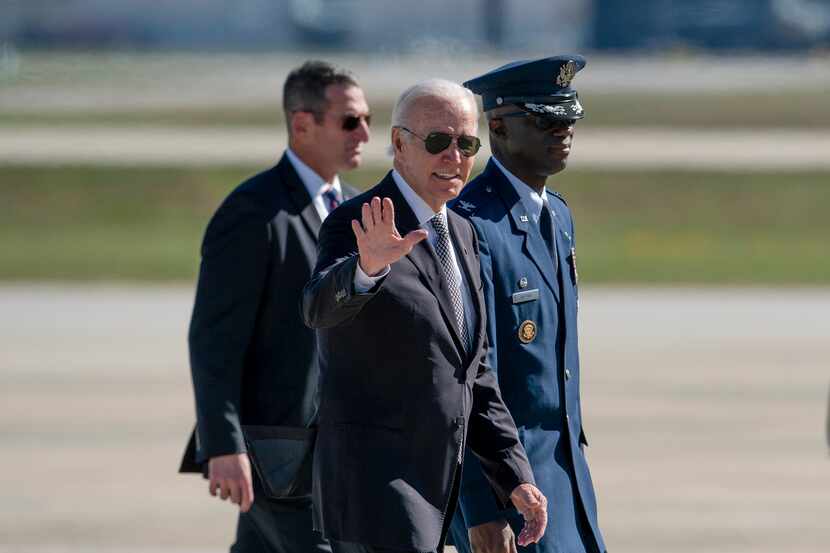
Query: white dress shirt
point(314, 183)
point(423, 213)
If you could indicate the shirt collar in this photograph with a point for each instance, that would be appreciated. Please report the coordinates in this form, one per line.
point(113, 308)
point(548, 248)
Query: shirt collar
point(532, 201)
point(423, 213)
point(313, 182)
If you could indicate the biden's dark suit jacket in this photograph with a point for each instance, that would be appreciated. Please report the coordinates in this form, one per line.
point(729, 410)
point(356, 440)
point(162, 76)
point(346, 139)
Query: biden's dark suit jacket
point(399, 393)
point(253, 360)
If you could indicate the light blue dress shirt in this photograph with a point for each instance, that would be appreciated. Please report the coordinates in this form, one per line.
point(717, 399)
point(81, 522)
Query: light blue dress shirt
point(531, 201)
point(314, 183)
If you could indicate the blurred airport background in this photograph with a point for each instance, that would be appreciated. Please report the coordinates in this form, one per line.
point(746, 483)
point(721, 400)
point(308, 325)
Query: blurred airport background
point(700, 183)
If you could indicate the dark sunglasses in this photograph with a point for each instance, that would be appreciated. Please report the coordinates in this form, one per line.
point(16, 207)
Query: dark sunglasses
point(351, 122)
point(542, 122)
point(437, 142)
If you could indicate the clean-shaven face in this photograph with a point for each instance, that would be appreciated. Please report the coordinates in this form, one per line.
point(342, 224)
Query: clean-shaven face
point(540, 152)
point(436, 178)
point(339, 148)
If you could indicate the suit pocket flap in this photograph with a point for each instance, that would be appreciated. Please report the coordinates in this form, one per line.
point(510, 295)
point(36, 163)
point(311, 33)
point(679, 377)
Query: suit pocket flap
point(281, 456)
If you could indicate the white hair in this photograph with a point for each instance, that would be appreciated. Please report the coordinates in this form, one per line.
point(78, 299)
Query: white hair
point(432, 88)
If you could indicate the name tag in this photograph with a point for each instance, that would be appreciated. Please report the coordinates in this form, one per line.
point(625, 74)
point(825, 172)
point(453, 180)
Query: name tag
point(527, 295)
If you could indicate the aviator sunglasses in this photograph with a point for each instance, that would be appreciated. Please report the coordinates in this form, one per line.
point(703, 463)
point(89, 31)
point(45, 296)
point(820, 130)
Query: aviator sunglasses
point(351, 122)
point(542, 122)
point(437, 142)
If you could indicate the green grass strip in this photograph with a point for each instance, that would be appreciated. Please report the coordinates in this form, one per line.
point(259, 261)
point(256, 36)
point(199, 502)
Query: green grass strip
point(633, 227)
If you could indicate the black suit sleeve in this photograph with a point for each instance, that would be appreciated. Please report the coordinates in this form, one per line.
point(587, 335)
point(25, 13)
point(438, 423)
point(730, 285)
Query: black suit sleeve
point(492, 434)
point(235, 256)
point(493, 439)
point(329, 298)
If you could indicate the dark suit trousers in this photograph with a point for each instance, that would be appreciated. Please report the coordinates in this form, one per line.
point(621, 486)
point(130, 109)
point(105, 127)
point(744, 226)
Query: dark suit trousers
point(280, 527)
point(247, 537)
point(349, 547)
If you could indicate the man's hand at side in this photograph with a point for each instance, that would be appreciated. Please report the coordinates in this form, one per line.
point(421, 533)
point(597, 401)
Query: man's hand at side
point(533, 506)
point(378, 241)
point(493, 537)
point(230, 476)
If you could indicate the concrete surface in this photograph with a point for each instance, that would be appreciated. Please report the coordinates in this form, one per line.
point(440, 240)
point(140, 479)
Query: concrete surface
point(704, 409)
point(744, 150)
point(93, 82)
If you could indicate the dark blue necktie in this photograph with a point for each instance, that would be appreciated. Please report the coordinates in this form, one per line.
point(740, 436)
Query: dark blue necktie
point(546, 229)
point(331, 199)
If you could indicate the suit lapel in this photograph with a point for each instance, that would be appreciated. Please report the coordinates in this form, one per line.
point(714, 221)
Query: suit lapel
point(299, 196)
point(423, 256)
point(471, 270)
point(534, 245)
point(563, 248)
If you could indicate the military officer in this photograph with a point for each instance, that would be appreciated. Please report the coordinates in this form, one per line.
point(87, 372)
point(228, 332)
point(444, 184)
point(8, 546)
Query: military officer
point(529, 272)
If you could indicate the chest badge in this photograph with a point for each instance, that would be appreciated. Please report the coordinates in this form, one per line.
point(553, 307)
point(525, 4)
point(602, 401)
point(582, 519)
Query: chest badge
point(527, 332)
point(523, 282)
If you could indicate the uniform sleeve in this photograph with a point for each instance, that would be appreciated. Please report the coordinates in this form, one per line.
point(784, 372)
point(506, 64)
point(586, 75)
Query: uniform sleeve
point(232, 274)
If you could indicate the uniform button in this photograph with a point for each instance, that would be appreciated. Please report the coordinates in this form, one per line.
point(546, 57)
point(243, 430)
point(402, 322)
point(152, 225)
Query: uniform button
point(568, 418)
point(567, 374)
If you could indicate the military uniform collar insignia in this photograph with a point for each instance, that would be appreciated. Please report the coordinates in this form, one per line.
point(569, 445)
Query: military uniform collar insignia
point(466, 206)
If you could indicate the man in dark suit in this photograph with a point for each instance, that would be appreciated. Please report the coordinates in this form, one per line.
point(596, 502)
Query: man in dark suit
point(529, 272)
point(253, 361)
point(396, 298)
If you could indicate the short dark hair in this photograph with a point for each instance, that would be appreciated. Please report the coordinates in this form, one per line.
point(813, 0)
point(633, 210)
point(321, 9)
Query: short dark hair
point(305, 88)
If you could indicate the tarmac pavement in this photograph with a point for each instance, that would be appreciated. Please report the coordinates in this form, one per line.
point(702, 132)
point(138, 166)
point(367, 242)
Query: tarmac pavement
point(727, 150)
point(705, 411)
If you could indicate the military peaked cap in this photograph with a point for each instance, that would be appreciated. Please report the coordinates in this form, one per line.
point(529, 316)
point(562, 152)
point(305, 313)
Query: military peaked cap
point(541, 86)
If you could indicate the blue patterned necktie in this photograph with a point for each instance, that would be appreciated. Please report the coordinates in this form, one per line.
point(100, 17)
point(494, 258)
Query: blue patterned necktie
point(331, 199)
point(442, 248)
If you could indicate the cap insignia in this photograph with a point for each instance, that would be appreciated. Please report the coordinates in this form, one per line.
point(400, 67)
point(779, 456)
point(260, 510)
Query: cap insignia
point(566, 74)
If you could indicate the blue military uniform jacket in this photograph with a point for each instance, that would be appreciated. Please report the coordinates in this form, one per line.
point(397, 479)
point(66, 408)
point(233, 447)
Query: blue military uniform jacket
point(537, 363)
